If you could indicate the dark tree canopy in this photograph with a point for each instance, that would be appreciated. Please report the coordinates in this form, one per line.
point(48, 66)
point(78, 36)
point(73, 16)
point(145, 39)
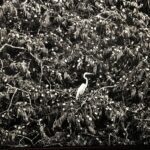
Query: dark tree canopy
point(46, 46)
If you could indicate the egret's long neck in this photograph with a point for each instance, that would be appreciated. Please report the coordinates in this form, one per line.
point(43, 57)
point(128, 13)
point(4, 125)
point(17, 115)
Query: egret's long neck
point(86, 80)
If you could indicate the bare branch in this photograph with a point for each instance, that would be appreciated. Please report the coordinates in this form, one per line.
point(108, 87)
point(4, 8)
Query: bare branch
point(2, 65)
point(22, 91)
point(107, 87)
point(11, 46)
point(18, 88)
point(10, 104)
point(141, 119)
point(24, 137)
point(12, 99)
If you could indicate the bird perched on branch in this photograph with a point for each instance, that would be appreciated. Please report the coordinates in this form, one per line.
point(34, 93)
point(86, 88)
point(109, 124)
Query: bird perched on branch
point(83, 86)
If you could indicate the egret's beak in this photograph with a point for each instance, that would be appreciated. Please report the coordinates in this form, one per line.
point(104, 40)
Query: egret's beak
point(90, 74)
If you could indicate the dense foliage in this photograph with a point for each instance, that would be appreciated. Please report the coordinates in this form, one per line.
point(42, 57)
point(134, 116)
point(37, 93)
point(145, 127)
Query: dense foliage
point(47, 45)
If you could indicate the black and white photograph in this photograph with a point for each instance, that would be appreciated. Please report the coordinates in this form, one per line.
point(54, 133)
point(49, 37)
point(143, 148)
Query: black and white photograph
point(74, 73)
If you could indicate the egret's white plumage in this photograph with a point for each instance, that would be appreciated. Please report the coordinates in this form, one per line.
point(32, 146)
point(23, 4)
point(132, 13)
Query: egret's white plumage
point(83, 86)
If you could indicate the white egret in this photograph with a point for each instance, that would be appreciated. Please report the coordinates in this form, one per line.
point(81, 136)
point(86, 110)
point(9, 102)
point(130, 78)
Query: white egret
point(83, 86)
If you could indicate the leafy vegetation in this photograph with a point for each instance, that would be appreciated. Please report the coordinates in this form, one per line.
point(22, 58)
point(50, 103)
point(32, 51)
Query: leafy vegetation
point(46, 47)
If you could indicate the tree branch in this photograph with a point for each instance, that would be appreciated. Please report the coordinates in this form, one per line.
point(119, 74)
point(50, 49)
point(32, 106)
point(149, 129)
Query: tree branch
point(21, 91)
point(11, 46)
point(12, 99)
point(107, 87)
point(24, 137)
